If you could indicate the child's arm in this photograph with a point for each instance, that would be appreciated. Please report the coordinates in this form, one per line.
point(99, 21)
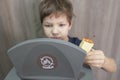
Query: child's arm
point(96, 58)
point(109, 65)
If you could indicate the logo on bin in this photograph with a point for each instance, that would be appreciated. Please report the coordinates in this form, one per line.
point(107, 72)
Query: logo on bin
point(47, 62)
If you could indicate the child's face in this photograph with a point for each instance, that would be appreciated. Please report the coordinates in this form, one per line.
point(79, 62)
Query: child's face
point(56, 27)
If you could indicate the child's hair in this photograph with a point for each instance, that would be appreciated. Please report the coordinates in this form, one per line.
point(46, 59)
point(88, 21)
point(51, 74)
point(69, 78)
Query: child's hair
point(48, 7)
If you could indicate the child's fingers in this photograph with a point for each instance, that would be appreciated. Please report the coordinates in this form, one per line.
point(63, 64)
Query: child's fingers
point(95, 63)
point(97, 66)
point(95, 57)
point(93, 52)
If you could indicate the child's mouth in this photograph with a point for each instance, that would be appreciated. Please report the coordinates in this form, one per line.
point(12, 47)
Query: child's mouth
point(56, 37)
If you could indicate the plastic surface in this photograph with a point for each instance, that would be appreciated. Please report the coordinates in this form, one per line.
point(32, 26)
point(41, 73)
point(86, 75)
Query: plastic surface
point(48, 59)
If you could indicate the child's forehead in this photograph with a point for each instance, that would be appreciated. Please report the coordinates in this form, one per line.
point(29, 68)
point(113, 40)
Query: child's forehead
point(57, 15)
point(55, 18)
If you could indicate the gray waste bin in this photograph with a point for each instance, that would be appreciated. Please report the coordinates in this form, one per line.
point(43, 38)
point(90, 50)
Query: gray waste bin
point(48, 59)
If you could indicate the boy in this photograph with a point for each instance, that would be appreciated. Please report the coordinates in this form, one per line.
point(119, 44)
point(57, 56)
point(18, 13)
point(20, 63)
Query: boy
point(56, 19)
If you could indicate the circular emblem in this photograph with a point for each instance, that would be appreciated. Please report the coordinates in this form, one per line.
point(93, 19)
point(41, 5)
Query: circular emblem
point(47, 62)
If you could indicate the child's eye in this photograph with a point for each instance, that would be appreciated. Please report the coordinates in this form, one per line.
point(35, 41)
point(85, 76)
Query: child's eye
point(61, 25)
point(48, 25)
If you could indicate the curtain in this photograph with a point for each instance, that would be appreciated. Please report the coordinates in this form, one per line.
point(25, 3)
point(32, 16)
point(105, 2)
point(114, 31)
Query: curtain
point(100, 21)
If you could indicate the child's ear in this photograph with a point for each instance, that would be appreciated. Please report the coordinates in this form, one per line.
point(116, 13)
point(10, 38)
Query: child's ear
point(70, 25)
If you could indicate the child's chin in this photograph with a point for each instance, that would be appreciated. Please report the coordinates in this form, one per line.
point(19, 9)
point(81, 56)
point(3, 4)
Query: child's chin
point(57, 38)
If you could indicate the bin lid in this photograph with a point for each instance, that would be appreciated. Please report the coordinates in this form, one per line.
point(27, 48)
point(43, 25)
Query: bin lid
point(47, 59)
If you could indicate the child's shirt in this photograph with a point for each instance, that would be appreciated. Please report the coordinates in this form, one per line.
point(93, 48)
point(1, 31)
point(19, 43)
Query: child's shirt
point(75, 40)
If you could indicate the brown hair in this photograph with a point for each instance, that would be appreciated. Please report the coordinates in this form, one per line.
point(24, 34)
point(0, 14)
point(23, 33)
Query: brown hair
point(48, 7)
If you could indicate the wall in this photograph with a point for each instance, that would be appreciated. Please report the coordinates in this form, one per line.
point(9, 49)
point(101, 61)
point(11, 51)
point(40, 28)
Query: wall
point(18, 22)
point(99, 20)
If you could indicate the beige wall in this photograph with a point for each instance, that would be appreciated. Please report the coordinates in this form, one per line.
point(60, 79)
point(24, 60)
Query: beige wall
point(18, 22)
point(96, 19)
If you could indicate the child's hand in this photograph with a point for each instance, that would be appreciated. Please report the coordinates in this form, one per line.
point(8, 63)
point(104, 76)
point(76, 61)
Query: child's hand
point(95, 58)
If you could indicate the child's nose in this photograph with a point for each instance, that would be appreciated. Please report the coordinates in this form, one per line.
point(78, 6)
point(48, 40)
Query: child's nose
point(55, 31)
